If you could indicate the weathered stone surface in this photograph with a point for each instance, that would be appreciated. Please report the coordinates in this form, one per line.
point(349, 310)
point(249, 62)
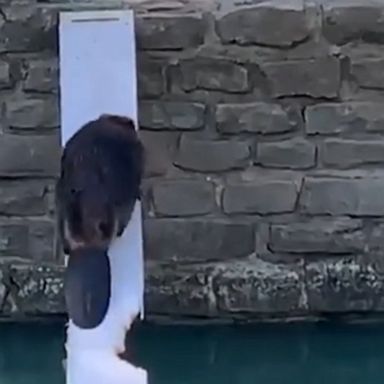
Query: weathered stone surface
point(36, 290)
point(226, 289)
point(294, 153)
point(27, 28)
point(375, 242)
point(368, 73)
point(210, 265)
point(348, 21)
point(159, 150)
point(29, 155)
point(264, 196)
point(352, 153)
point(314, 77)
point(359, 52)
point(41, 240)
point(179, 290)
point(212, 156)
point(32, 114)
point(151, 78)
point(263, 118)
point(349, 117)
point(3, 288)
point(5, 75)
point(259, 288)
point(14, 238)
point(181, 240)
point(156, 33)
point(23, 198)
point(183, 197)
point(27, 239)
point(342, 285)
point(257, 25)
point(171, 115)
point(328, 236)
point(213, 75)
point(42, 76)
point(332, 196)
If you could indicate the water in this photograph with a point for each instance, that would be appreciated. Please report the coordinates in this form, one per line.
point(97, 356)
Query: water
point(267, 354)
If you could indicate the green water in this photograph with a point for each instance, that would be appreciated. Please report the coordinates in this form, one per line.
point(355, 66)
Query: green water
point(268, 354)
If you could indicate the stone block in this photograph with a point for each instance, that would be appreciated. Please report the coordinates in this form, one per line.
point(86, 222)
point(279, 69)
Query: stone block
point(27, 239)
point(318, 77)
point(40, 290)
point(261, 118)
point(212, 156)
point(185, 240)
point(42, 76)
point(29, 155)
point(5, 75)
point(353, 20)
point(351, 153)
point(259, 288)
point(32, 114)
point(375, 241)
point(14, 238)
point(183, 197)
point(351, 117)
point(328, 118)
point(368, 73)
point(293, 153)
point(212, 75)
point(150, 78)
point(349, 284)
point(169, 32)
point(335, 196)
point(23, 198)
point(41, 241)
point(318, 236)
point(171, 115)
point(257, 25)
point(159, 151)
point(264, 196)
point(179, 291)
point(27, 28)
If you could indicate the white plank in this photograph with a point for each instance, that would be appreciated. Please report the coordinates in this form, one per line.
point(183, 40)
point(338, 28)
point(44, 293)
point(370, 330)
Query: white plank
point(98, 75)
point(97, 67)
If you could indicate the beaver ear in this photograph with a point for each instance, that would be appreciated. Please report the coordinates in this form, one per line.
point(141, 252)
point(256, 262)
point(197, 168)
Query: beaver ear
point(118, 120)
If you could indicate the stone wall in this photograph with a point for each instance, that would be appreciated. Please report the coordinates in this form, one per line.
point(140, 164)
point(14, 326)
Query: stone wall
point(264, 188)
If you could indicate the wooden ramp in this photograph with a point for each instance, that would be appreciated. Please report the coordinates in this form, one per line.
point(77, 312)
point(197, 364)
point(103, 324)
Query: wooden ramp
point(98, 75)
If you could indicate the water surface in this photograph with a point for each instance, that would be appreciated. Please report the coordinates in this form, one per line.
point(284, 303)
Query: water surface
point(268, 354)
